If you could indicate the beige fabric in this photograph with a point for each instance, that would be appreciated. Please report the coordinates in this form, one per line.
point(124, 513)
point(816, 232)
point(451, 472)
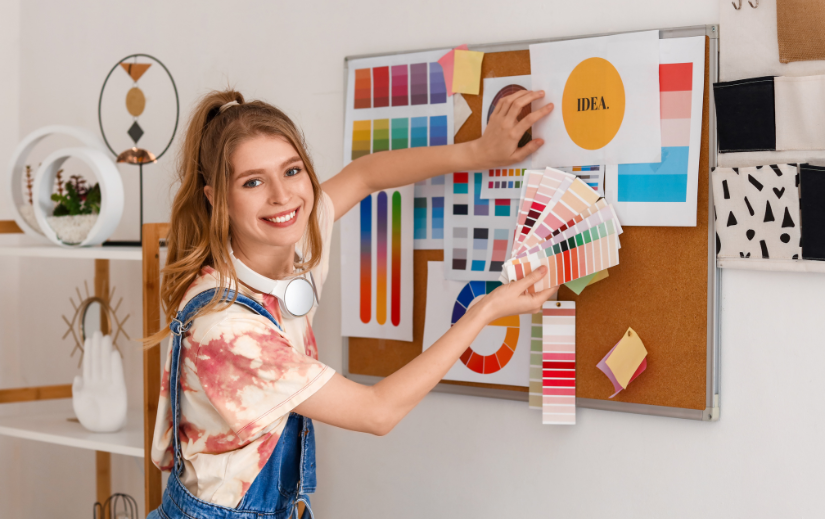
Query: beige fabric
point(799, 25)
point(800, 103)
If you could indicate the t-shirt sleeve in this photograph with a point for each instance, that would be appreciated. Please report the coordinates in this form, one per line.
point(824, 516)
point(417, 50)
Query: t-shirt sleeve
point(251, 373)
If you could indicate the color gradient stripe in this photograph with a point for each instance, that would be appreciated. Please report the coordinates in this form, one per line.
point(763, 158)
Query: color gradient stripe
point(381, 87)
point(395, 313)
point(360, 138)
point(380, 135)
point(558, 364)
point(400, 87)
point(418, 132)
point(438, 130)
point(366, 259)
point(418, 84)
point(535, 378)
point(381, 259)
point(438, 88)
point(363, 88)
point(400, 133)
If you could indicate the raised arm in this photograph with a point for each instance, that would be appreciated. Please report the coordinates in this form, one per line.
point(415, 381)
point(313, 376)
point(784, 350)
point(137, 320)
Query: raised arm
point(497, 147)
point(377, 409)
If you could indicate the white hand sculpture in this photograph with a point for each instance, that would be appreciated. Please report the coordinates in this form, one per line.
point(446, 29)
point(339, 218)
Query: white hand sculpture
point(99, 397)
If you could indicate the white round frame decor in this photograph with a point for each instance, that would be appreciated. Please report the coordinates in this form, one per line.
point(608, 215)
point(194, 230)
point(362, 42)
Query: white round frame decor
point(14, 180)
point(111, 193)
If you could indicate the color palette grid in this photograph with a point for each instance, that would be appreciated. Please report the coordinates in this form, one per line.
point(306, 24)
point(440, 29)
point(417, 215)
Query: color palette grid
point(665, 181)
point(588, 252)
point(505, 178)
point(410, 84)
point(492, 363)
point(397, 134)
point(558, 405)
point(387, 230)
point(536, 353)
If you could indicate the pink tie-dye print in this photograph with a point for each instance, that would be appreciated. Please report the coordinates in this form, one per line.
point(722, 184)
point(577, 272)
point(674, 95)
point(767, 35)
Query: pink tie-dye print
point(240, 378)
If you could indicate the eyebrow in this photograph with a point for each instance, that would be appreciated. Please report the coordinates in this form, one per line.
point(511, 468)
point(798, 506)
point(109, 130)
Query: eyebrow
point(288, 162)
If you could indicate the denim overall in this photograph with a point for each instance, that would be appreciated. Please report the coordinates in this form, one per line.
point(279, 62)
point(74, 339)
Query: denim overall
point(285, 480)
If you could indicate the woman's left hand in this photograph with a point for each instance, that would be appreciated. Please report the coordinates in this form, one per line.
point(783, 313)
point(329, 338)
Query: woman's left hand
point(499, 144)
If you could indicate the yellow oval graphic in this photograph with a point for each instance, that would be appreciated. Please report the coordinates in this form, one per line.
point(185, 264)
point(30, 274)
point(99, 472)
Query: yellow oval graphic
point(593, 103)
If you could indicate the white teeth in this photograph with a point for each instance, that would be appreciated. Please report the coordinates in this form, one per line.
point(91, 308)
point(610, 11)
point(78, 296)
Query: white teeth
point(282, 219)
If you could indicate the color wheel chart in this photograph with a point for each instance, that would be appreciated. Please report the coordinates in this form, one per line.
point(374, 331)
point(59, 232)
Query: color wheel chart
point(495, 361)
point(393, 102)
point(478, 232)
point(500, 354)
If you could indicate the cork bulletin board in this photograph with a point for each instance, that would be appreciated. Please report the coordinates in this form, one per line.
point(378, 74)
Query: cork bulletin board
point(665, 287)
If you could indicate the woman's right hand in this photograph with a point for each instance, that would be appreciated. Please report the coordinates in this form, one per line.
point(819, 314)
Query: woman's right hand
point(513, 298)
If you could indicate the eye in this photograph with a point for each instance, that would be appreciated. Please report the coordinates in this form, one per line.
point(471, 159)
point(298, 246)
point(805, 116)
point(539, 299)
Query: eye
point(255, 182)
point(291, 172)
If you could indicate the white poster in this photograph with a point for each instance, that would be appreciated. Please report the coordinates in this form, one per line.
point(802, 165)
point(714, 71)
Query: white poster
point(393, 102)
point(478, 233)
point(501, 352)
point(664, 193)
point(606, 96)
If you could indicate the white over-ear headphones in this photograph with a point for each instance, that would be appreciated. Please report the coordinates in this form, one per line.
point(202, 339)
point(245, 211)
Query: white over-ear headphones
point(296, 295)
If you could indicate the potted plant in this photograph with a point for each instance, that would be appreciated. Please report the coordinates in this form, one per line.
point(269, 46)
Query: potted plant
point(76, 210)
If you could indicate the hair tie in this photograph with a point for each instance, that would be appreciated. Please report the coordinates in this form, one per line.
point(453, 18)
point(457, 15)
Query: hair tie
point(227, 105)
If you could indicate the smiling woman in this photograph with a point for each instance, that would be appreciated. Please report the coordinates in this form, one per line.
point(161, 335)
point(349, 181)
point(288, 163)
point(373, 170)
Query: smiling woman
point(248, 255)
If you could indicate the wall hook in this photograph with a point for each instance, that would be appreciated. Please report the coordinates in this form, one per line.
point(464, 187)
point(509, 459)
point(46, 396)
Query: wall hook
point(740, 5)
point(751, 4)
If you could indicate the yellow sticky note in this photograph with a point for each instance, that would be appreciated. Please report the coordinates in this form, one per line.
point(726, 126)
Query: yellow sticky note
point(467, 71)
point(600, 275)
point(626, 357)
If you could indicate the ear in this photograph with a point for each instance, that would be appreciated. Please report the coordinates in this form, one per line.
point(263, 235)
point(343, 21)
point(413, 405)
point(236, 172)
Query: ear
point(209, 192)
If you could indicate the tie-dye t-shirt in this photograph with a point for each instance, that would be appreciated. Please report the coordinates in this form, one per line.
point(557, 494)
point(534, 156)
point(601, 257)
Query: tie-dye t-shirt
point(240, 378)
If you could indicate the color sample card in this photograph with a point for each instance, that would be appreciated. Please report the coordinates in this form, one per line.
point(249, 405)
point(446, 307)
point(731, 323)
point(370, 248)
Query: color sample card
point(393, 102)
point(500, 354)
point(429, 213)
point(604, 368)
point(478, 232)
point(757, 212)
point(598, 213)
point(502, 183)
point(534, 399)
point(558, 363)
point(447, 62)
point(467, 71)
point(606, 92)
point(588, 252)
point(593, 176)
point(552, 184)
point(664, 193)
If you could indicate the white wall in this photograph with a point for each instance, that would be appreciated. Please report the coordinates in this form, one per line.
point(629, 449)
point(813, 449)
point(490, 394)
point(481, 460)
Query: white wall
point(453, 456)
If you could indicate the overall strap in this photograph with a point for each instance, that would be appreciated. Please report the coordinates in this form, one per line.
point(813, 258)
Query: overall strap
point(179, 326)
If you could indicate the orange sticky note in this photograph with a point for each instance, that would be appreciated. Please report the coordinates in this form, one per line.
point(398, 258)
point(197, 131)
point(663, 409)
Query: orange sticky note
point(467, 72)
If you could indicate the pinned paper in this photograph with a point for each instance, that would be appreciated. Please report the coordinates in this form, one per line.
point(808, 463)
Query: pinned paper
point(461, 112)
point(578, 285)
point(467, 72)
point(625, 361)
point(447, 62)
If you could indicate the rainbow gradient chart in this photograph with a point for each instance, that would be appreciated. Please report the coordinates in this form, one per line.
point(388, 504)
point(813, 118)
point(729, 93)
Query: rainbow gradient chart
point(501, 352)
point(478, 233)
point(393, 102)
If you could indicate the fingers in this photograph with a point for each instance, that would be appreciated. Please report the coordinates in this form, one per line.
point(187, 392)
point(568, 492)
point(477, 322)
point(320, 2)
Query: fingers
point(527, 150)
point(503, 106)
point(529, 280)
point(534, 116)
point(520, 102)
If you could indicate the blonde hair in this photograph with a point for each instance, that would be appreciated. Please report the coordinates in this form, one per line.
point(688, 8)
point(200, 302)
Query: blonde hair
point(199, 231)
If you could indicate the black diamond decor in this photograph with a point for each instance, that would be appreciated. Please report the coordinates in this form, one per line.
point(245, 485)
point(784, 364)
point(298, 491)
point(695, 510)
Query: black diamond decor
point(135, 132)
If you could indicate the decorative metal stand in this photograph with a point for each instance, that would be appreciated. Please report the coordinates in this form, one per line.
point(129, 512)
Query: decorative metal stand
point(118, 506)
point(135, 104)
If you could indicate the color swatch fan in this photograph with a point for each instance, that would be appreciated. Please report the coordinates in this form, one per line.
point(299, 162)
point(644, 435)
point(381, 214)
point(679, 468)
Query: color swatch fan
point(564, 225)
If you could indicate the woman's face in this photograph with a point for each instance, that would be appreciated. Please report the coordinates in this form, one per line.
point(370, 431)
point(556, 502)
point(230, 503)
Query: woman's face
point(269, 195)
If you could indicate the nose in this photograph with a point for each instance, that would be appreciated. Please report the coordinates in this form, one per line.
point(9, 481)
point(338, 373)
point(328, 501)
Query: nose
point(278, 193)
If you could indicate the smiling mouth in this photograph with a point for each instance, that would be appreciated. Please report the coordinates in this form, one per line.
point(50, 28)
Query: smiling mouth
point(283, 219)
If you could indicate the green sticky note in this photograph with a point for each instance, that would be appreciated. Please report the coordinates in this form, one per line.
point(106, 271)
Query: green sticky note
point(577, 285)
